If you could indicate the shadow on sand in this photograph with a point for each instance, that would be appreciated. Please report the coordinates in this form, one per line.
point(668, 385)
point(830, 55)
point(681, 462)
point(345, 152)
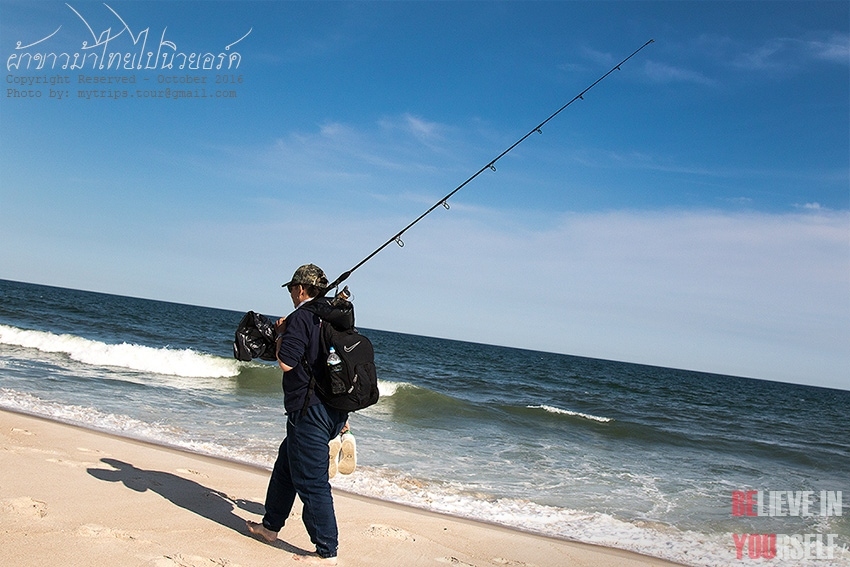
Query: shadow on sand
point(187, 494)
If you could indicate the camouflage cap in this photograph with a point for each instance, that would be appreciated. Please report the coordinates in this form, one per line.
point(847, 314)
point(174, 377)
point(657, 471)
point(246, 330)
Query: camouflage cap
point(309, 274)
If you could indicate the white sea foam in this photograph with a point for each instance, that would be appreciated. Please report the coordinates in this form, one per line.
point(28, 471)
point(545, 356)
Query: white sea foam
point(80, 415)
point(175, 362)
point(602, 529)
point(649, 538)
point(552, 409)
point(387, 389)
point(126, 426)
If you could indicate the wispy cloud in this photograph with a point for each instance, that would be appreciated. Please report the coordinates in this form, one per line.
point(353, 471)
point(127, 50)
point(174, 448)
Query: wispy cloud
point(786, 54)
point(703, 59)
point(740, 201)
point(421, 128)
point(665, 73)
point(599, 57)
point(811, 207)
point(835, 48)
point(640, 160)
point(396, 157)
point(773, 54)
point(411, 128)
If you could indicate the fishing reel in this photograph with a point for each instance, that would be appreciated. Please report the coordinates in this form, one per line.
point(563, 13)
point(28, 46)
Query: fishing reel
point(341, 298)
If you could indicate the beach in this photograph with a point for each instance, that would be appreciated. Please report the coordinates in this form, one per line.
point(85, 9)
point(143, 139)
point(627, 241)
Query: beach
point(73, 496)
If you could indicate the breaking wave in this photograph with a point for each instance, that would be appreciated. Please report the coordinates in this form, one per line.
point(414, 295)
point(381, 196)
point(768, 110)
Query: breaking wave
point(164, 360)
point(552, 409)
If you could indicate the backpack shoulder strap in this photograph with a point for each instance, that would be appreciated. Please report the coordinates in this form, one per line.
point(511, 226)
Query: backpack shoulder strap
point(309, 369)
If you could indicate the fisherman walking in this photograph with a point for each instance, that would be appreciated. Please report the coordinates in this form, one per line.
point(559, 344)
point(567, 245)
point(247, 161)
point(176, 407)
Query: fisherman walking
point(301, 467)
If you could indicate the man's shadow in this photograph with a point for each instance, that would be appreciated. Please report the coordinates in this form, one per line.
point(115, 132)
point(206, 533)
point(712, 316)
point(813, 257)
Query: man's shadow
point(187, 494)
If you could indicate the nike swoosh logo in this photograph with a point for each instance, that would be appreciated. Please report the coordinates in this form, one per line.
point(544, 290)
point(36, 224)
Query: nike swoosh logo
point(352, 347)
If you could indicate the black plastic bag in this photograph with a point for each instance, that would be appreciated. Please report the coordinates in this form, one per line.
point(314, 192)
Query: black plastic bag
point(254, 338)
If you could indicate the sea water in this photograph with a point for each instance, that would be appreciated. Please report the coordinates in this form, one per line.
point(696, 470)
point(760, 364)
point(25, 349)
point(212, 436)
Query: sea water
point(670, 463)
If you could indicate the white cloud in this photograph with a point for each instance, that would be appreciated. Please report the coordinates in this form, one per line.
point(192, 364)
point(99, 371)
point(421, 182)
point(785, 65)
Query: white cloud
point(421, 128)
point(769, 55)
point(835, 48)
point(748, 294)
point(599, 57)
point(784, 54)
point(777, 55)
point(663, 73)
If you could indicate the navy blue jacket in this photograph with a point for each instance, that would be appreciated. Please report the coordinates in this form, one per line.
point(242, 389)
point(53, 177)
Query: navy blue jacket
point(300, 339)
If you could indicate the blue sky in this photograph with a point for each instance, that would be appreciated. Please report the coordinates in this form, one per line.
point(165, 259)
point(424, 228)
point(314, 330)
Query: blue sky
point(693, 211)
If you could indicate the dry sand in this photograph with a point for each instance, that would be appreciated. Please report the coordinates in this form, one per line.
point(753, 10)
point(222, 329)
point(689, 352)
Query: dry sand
point(75, 497)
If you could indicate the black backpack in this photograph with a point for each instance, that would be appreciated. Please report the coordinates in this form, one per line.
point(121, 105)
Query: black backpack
point(353, 385)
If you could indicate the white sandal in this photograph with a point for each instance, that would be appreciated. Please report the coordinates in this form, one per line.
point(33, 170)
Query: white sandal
point(348, 460)
point(334, 447)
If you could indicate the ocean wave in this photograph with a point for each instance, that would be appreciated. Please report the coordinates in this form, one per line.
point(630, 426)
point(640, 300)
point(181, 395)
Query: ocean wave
point(387, 388)
point(126, 426)
point(164, 360)
point(552, 409)
point(417, 397)
point(79, 415)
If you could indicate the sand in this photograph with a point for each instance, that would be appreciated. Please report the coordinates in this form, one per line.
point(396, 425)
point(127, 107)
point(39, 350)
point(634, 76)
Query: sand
point(75, 497)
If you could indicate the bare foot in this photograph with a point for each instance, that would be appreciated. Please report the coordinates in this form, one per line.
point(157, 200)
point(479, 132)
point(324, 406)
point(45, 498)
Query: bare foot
point(262, 531)
point(314, 559)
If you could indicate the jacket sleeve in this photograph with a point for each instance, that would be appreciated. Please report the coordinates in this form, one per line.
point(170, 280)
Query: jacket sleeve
point(296, 337)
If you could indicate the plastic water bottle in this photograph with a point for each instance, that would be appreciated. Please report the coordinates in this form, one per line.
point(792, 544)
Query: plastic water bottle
point(336, 372)
point(334, 361)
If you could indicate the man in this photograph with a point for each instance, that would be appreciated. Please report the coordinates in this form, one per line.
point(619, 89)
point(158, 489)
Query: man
point(302, 462)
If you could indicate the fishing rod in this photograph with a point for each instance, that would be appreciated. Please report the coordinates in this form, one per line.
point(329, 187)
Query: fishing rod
point(490, 165)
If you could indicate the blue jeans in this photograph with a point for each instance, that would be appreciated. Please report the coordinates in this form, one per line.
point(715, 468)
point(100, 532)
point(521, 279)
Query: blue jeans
point(302, 468)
